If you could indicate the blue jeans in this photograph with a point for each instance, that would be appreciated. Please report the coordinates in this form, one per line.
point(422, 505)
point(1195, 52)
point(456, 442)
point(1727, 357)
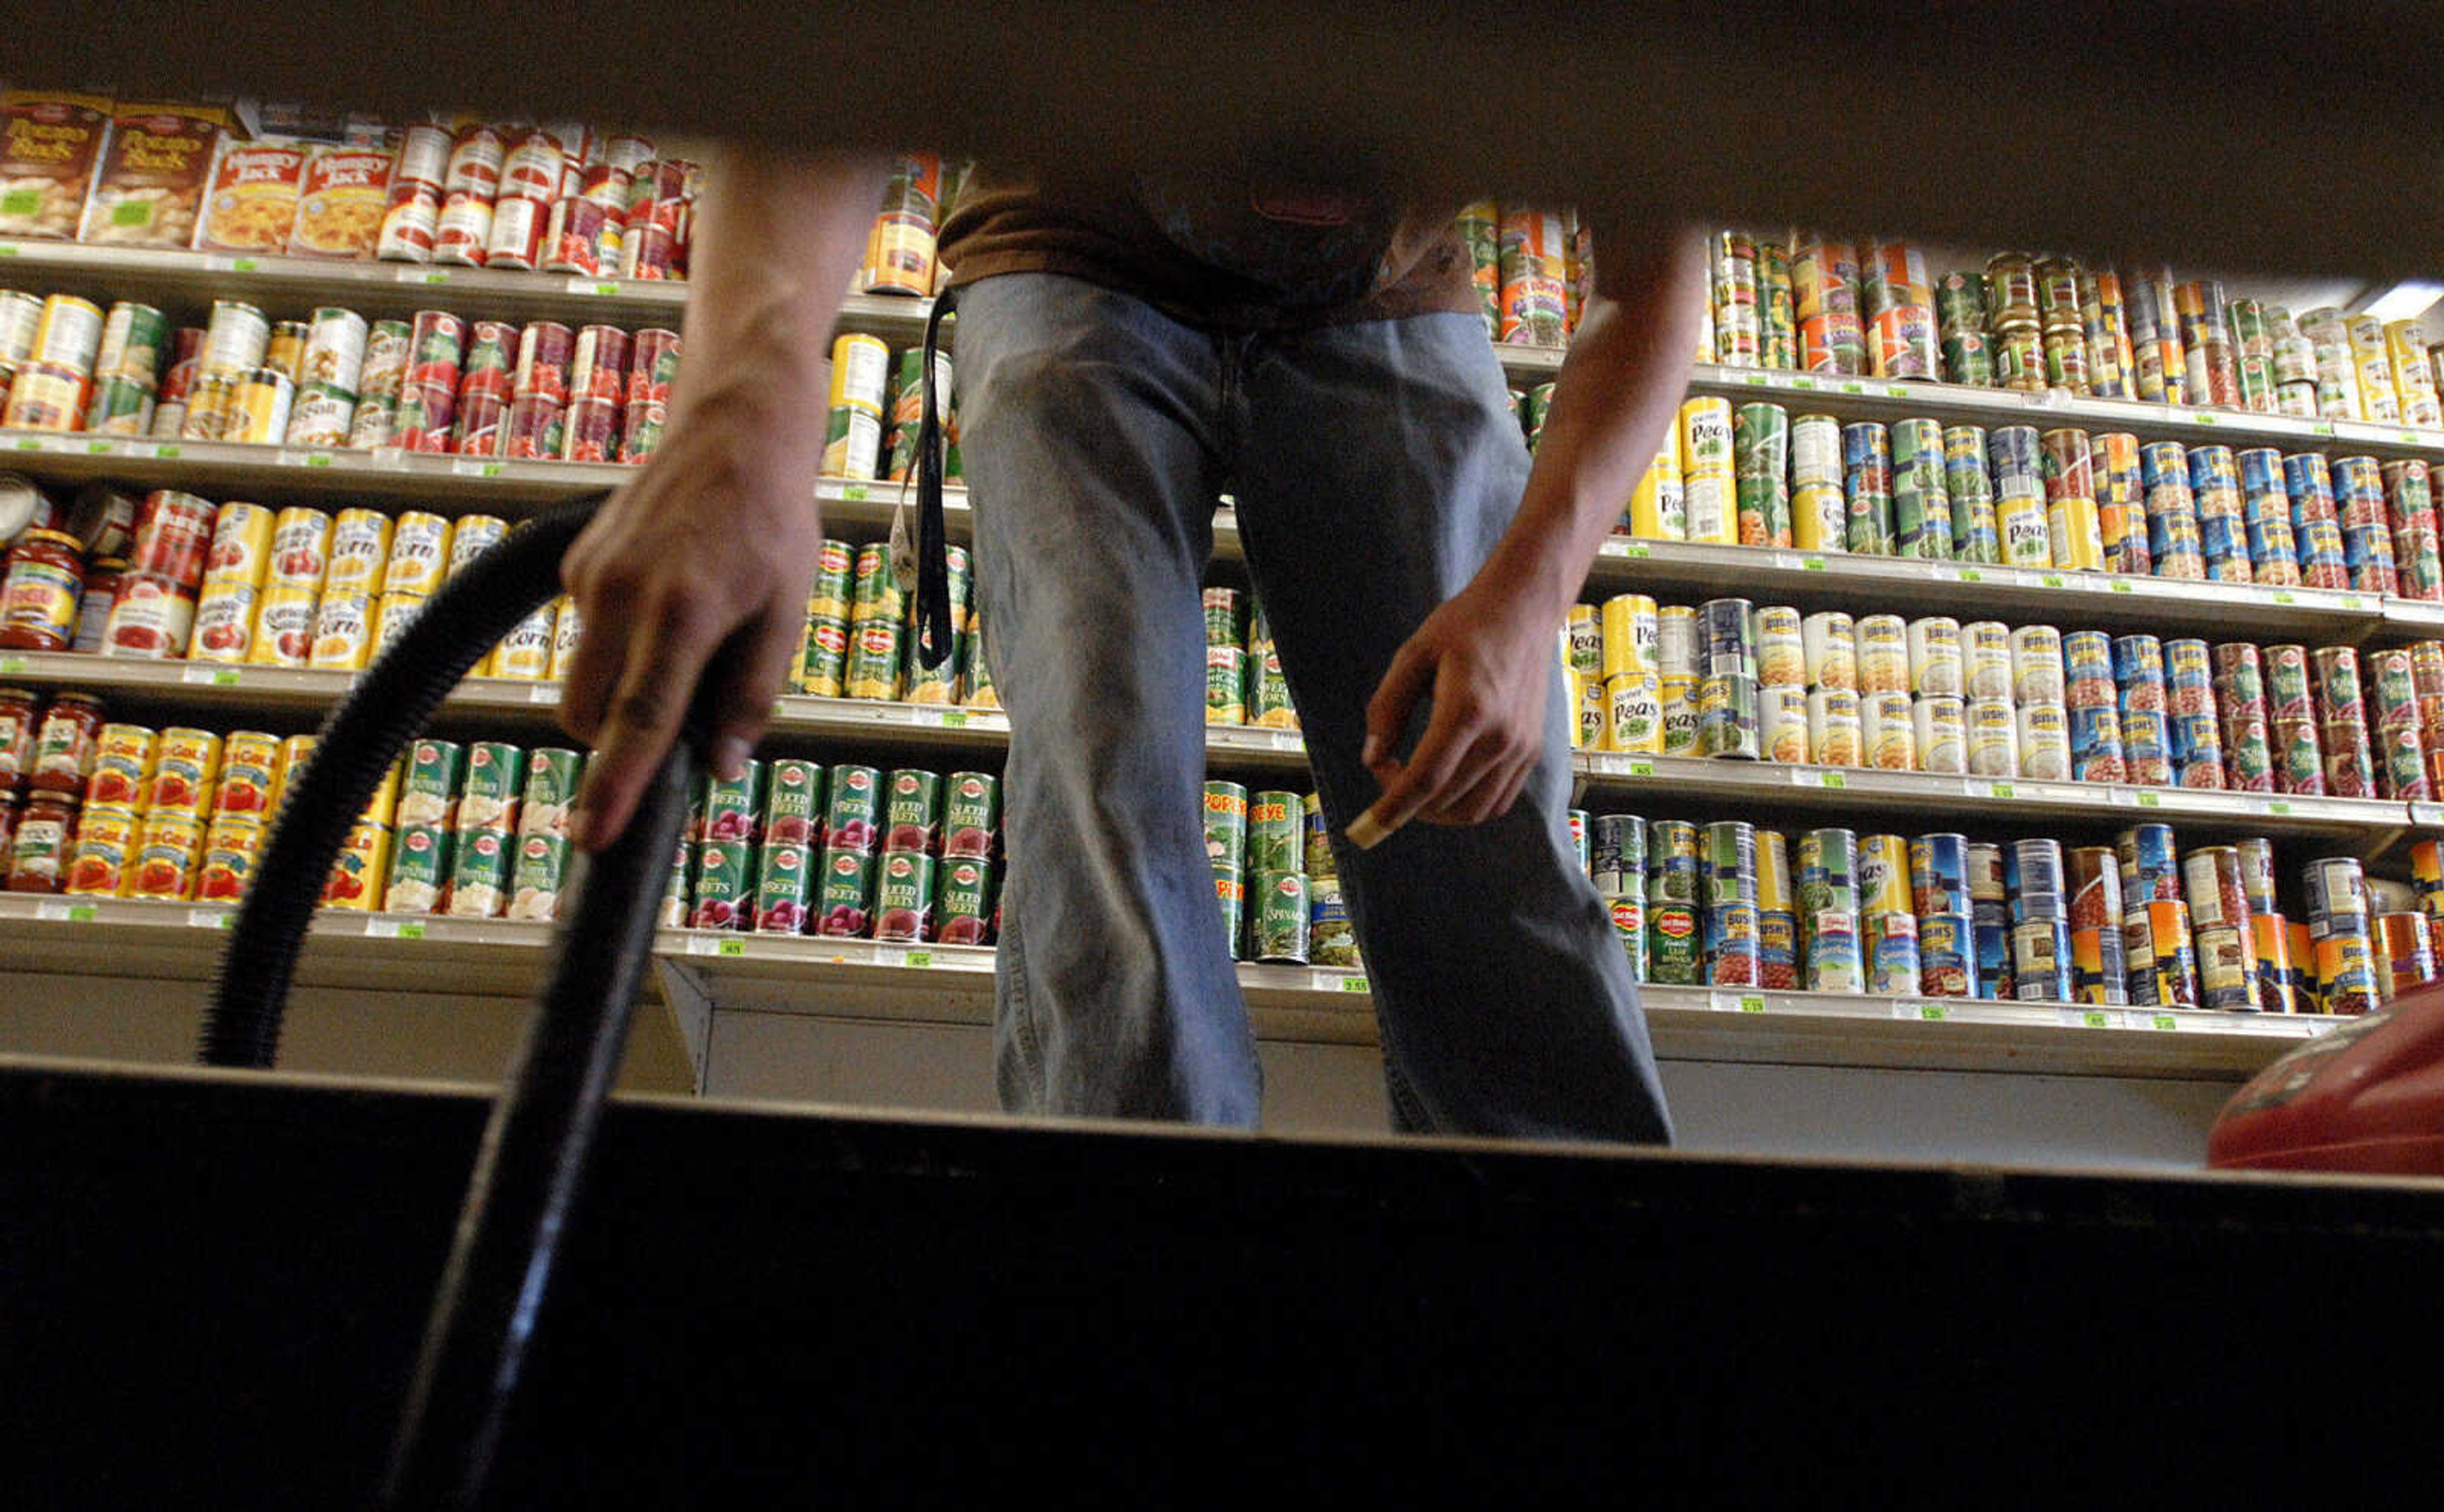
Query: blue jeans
point(1374, 466)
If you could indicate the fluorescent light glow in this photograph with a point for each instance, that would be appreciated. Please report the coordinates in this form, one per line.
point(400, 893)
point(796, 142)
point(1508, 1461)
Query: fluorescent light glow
point(2405, 301)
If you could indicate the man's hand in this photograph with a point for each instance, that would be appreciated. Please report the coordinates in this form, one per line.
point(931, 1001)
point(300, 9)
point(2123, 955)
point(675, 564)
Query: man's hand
point(709, 552)
point(1487, 657)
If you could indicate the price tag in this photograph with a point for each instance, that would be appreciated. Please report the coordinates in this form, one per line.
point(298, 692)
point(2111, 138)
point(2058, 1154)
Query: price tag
point(209, 918)
point(1924, 1012)
point(465, 469)
point(1641, 767)
point(727, 945)
point(2352, 600)
point(1804, 383)
point(166, 453)
point(30, 443)
point(2050, 580)
point(1636, 551)
point(209, 676)
point(2151, 800)
point(318, 459)
point(2202, 418)
point(100, 449)
point(394, 929)
point(1812, 563)
point(1896, 391)
point(2277, 806)
point(1751, 1003)
point(2121, 585)
point(592, 285)
point(1756, 380)
point(2321, 429)
point(243, 264)
point(957, 719)
point(2157, 1021)
point(854, 493)
point(11, 666)
point(919, 959)
point(2089, 1018)
point(542, 693)
point(1832, 780)
point(1355, 984)
point(1968, 575)
point(8, 248)
point(2285, 596)
point(2409, 437)
point(429, 275)
point(62, 913)
point(1853, 388)
point(2001, 791)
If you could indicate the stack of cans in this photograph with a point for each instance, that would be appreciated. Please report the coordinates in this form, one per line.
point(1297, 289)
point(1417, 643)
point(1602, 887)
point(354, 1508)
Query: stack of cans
point(908, 412)
point(2339, 396)
point(2398, 750)
point(2161, 365)
point(1225, 656)
point(1825, 297)
point(659, 221)
point(2247, 716)
point(2266, 518)
point(2017, 452)
point(1867, 488)
point(1739, 322)
point(2039, 691)
point(2093, 709)
point(1709, 472)
point(2414, 381)
point(2206, 343)
point(1960, 329)
point(2193, 721)
point(153, 615)
point(2013, 322)
point(585, 230)
point(2427, 686)
point(2104, 321)
point(2223, 531)
point(428, 394)
point(1829, 660)
point(1731, 930)
point(1898, 299)
point(2146, 709)
point(877, 612)
point(2316, 527)
point(1674, 951)
point(1921, 496)
point(595, 387)
point(1225, 849)
point(2295, 365)
point(2175, 543)
point(2341, 937)
point(1969, 482)
point(1534, 264)
point(1727, 696)
point(2074, 530)
point(2061, 326)
point(51, 363)
point(860, 388)
point(125, 371)
point(486, 381)
point(2367, 538)
point(2156, 931)
point(1888, 944)
point(1778, 314)
point(2410, 509)
point(2121, 503)
point(1280, 895)
point(2040, 911)
point(1990, 917)
point(653, 364)
point(1947, 927)
point(2427, 884)
point(852, 841)
point(1828, 913)
point(2253, 342)
point(2099, 970)
point(537, 423)
point(2222, 938)
point(330, 371)
point(1332, 937)
point(1761, 470)
point(2342, 722)
point(792, 826)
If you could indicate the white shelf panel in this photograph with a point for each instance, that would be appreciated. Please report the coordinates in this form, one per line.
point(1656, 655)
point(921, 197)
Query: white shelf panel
point(2366, 825)
point(2070, 600)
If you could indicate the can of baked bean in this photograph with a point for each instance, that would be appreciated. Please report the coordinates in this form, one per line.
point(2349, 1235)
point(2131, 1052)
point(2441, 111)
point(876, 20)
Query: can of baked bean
point(1835, 728)
point(1828, 642)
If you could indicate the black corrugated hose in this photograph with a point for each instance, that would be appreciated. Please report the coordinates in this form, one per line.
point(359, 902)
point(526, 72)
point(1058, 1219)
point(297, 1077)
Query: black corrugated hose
point(531, 1163)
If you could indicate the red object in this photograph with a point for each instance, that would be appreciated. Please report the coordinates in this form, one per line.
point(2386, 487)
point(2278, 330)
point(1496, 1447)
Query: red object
point(2366, 1097)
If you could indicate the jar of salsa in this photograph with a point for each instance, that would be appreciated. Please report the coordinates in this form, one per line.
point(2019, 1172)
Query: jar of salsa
point(16, 738)
point(38, 599)
point(39, 851)
point(64, 746)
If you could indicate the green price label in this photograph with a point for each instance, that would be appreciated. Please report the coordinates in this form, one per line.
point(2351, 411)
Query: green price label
point(1637, 552)
point(166, 453)
point(1832, 780)
point(435, 276)
point(1756, 380)
point(732, 948)
point(606, 289)
point(1355, 984)
point(2285, 596)
point(2278, 806)
point(955, 719)
point(2001, 791)
point(492, 470)
point(2095, 1019)
point(854, 493)
point(132, 214)
point(2163, 1021)
point(99, 449)
point(2352, 600)
point(226, 676)
point(318, 459)
point(2051, 579)
point(2410, 438)
point(1896, 391)
point(242, 264)
point(1641, 769)
point(2320, 430)
point(21, 204)
point(920, 958)
point(81, 913)
point(413, 930)
point(1853, 388)
point(27, 443)
point(11, 666)
point(2117, 586)
point(2203, 418)
point(1933, 1012)
point(1812, 563)
point(8, 248)
point(1750, 1003)
point(2150, 800)
point(1808, 384)
point(1969, 575)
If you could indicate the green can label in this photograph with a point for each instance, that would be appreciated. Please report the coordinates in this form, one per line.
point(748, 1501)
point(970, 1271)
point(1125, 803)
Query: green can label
point(781, 880)
point(1674, 950)
point(1232, 894)
point(824, 668)
point(1332, 939)
point(494, 773)
point(722, 869)
point(479, 873)
point(903, 905)
point(420, 859)
point(793, 797)
point(912, 814)
point(843, 905)
point(535, 881)
point(853, 818)
point(1226, 683)
point(1226, 823)
point(429, 789)
point(1282, 922)
point(552, 777)
point(876, 587)
point(963, 901)
point(835, 588)
point(1275, 837)
point(971, 814)
point(1225, 625)
point(731, 807)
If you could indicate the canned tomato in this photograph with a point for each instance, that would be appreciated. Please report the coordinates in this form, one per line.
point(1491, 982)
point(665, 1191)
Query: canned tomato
point(97, 863)
point(152, 618)
point(174, 537)
point(232, 845)
point(169, 849)
point(249, 759)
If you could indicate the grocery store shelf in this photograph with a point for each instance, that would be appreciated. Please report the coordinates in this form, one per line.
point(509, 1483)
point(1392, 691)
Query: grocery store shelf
point(2365, 826)
point(1887, 399)
point(223, 469)
point(286, 287)
point(2070, 600)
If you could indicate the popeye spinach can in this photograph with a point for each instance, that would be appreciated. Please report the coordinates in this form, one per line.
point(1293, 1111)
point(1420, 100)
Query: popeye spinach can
point(1275, 843)
point(1278, 927)
point(1226, 824)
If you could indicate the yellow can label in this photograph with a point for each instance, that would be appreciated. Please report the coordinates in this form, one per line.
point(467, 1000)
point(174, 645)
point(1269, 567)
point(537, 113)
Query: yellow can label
point(473, 535)
point(360, 552)
point(168, 848)
point(123, 764)
point(355, 880)
point(1658, 510)
point(225, 620)
point(419, 550)
point(184, 766)
point(343, 632)
point(1628, 629)
point(284, 628)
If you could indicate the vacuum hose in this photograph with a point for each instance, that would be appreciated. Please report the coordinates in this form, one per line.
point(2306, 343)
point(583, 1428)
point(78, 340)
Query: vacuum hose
point(531, 1163)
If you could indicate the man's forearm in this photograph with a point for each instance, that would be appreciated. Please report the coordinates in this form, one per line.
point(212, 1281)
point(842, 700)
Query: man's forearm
point(1613, 407)
point(776, 245)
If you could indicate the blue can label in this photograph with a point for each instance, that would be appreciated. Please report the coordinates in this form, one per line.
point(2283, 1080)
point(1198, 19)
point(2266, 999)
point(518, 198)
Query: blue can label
point(2041, 960)
point(1993, 941)
point(1946, 955)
